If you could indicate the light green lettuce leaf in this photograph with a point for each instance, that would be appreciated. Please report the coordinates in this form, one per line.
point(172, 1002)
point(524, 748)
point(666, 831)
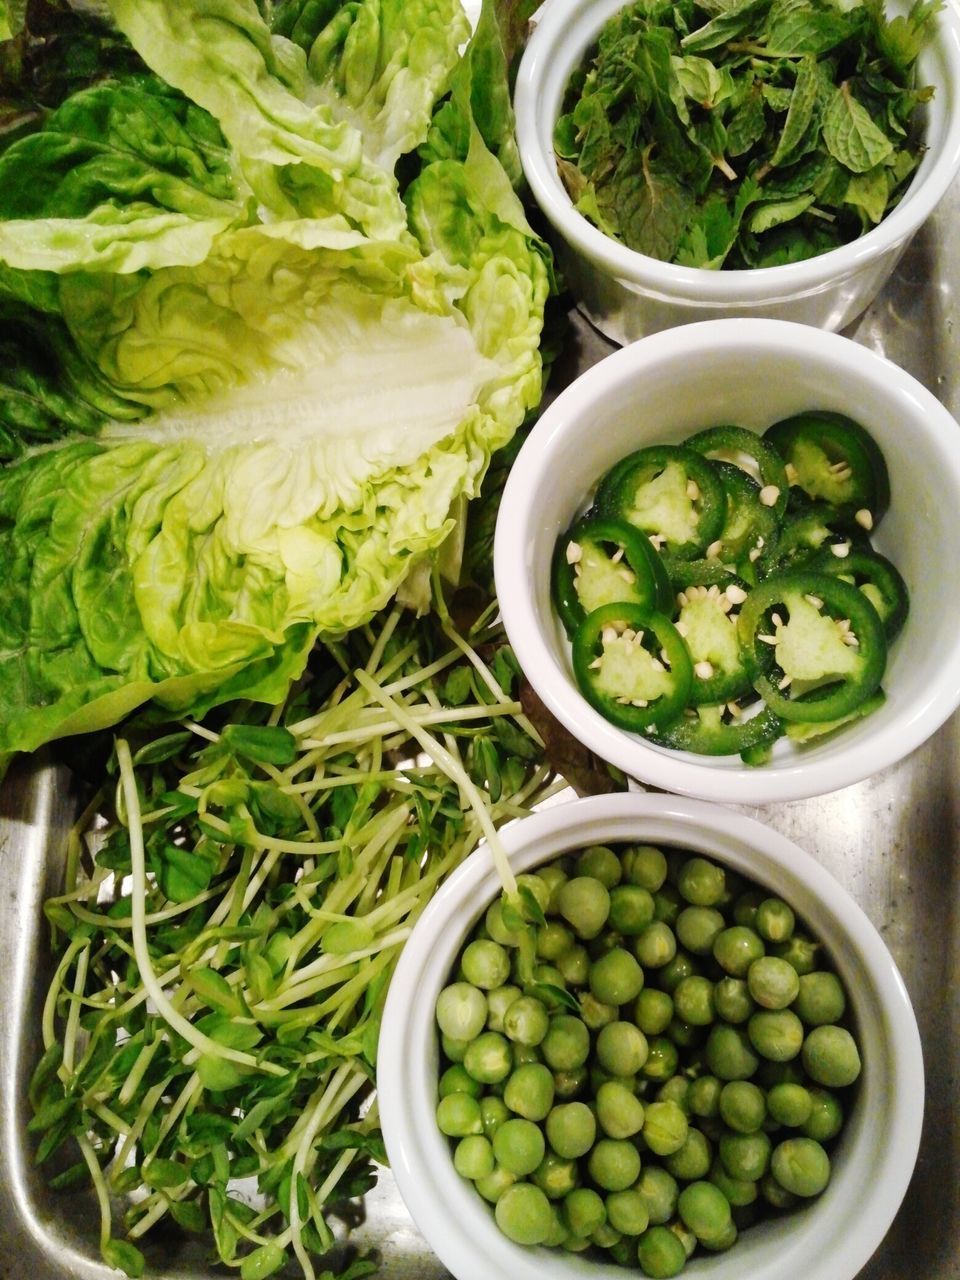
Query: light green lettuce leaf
point(222, 55)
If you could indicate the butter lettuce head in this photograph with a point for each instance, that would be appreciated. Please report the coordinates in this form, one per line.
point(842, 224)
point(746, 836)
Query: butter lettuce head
point(285, 425)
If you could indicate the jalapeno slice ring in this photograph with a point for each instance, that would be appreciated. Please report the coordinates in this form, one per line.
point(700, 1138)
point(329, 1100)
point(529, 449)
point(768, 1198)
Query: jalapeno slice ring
point(830, 456)
point(631, 664)
point(731, 443)
point(712, 731)
point(876, 576)
point(670, 492)
point(814, 634)
point(601, 561)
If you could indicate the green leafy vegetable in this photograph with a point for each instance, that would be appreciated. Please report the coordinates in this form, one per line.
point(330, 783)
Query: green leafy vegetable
point(266, 377)
point(685, 116)
point(194, 1041)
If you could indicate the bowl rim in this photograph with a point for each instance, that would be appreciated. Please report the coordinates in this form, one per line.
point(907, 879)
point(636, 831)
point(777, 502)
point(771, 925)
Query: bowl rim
point(792, 779)
point(447, 1210)
point(556, 42)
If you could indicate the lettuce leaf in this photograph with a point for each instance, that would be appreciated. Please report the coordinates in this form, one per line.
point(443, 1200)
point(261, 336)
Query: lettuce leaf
point(273, 422)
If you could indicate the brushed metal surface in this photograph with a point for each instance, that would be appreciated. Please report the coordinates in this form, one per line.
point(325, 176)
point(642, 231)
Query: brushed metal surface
point(892, 842)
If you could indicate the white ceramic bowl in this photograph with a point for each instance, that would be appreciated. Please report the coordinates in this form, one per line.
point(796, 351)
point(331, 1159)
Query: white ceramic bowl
point(751, 372)
point(831, 1238)
point(627, 294)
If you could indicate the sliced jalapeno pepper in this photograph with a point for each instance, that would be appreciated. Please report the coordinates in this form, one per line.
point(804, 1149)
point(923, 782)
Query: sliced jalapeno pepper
point(806, 732)
point(632, 665)
point(830, 456)
point(814, 634)
point(879, 580)
point(715, 731)
point(808, 528)
point(670, 492)
point(737, 445)
point(599, 561)
point(723, 666)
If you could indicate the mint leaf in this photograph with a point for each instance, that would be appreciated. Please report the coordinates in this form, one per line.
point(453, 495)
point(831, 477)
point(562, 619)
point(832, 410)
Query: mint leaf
point(800, 113)
point(652, 206)
point(851, 135)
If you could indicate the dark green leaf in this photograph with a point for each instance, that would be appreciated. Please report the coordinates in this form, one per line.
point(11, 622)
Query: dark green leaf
point(264, 744)
point(125, 1256)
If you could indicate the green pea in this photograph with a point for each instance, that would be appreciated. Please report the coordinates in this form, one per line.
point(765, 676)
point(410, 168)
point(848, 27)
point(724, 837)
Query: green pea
point(820, 998)
point(701, 882)
point(619, 1110)
point(745, 907)
point(571, 1129)
point(627, 1212)
point(622, 1048)
point(461, 1011)
point(584, 902)
point(546, 976)
point(493, 1186)
point(583, 1211)
point(790, 1104)
point(497, 927)
point(485, 964)
point(745, 1155)
point(776, 1195)
point(606, 1236)
point(660, 1253)
point(735, 949)
point(676, 970)
point(567, 1084)
point(488, 1058)
point(826, 1116)
point(656, 945)
point(739, 1191)
point(529, 1091)
point(553, 939)
point(614, 1164)
point(645, 865)
point(693, 1159)
point(456, 1079)
point(799, 951)
point(553, 876)
point(653, 1011)
point(703, 1096)
point(664, 1127)
point(631, 908)
point(493, 1112)
point(558, 1230)
point(523, 1214)
point(524, 1054)
point(801, 1166)
point(732, 1000)
point(667, 905)
point(454, 1049)
point(518, 1146)
point(473, 1157)
point(830, 1056)
point(775, 920)
point(697, 929)
point(725, 1240)
point(616, 977)
point(566, 1045)
point(776, 1034)
point(685, 1035)
point(729, 1053)
point(499, 1001)
point(576, 1244)
point(773, 983)
point(458, 1115)
point(601, 863)
point(662, 1059)
point(555, 1175)
point(526, 1021)
point(677, 1090)
point(574, 966)
point(595, 1013)
point(659, 1190)
point(693, 1000)
point(742, 1106)
point(705, 1210)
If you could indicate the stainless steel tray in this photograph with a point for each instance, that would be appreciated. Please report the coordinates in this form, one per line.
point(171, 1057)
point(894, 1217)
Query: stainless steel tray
point(892, 841)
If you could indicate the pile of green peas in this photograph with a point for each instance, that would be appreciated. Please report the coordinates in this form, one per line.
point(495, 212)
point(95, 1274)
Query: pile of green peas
point(647, 1057)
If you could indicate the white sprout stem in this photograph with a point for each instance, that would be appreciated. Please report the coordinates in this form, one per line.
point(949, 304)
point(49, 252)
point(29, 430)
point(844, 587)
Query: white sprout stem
point(100, 1186)
point(454, 770)
point(201, 1042)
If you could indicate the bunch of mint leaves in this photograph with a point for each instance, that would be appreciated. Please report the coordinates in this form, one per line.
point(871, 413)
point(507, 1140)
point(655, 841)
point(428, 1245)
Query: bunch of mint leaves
point(745, 134)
